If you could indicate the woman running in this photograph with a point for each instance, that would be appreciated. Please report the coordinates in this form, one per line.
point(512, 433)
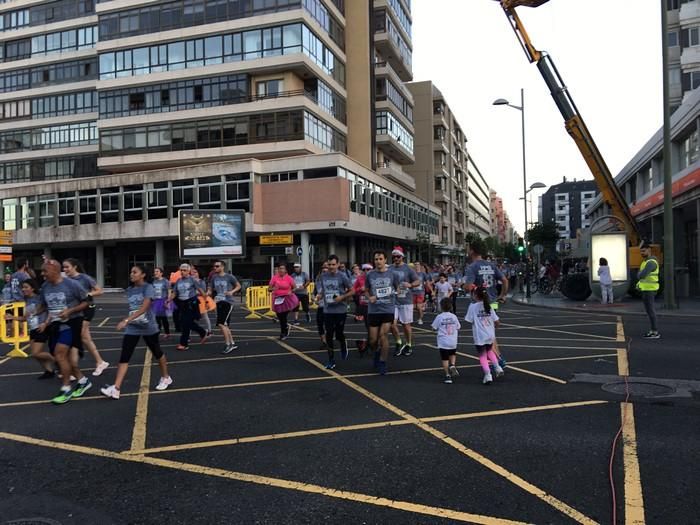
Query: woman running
point(141, 322)
point(283, 298)
point(161, 307)
point(184, 293)
point(73, 269)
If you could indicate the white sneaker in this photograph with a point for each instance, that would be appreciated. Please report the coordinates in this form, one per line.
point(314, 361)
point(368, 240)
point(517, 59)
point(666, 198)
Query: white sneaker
point(499, 371)
point(164, 383)
point(100, 368)
point(487, 379)
point(420, 321)
point(110, 391)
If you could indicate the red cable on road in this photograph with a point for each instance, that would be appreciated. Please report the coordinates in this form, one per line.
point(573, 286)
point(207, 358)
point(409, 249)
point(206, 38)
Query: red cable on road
point(614, 443)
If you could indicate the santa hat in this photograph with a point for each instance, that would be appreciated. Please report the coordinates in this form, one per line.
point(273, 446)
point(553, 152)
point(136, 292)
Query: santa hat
point(397, 251)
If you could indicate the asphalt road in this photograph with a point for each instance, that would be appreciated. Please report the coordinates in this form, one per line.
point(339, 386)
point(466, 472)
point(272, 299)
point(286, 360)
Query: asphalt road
point(267, 435)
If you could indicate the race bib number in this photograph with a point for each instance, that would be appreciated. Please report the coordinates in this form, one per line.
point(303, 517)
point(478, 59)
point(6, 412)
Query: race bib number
point(218, 298)
point(402, 293)
point(33, 322)
point(279, 301)
point(140, 320)
point(330, 298)
point(383, 293)
point(54, 314)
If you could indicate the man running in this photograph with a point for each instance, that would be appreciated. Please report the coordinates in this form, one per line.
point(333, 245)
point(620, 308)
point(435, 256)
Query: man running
point(301, 283)
point(64, 300)
point(21, 275)
point(223, 286)
point(184, 293)
point(408, 280)
point(381, 286)
point(335, 288)
point(418, 292)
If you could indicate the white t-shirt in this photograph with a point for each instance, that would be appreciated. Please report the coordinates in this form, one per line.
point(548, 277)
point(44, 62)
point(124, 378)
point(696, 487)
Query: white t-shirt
point(447, 326)
point(484, 323)
point(604, 274)
point(443, 290)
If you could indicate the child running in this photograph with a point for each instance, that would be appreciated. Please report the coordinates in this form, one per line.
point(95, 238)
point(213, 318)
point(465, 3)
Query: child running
point(141, 322)
point(447, 326)
point(484, 321)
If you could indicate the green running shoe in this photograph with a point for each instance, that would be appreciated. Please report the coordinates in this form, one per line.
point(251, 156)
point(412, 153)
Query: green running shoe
point(62, 397)
point(79, 389)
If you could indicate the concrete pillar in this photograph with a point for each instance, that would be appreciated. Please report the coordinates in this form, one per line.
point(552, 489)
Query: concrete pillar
point(352, 251)
point(160, 253)
point(305, 255)
point(331, 243)
point(100, 264)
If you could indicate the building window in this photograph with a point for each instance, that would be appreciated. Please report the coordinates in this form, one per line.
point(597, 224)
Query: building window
point(388, 124)
point(87, 206)
point(9, 214)
point(109, 205)
point(210, 192)
point(322, 135)
point(269, 88)
point(157, 200)
point(673, 39)
point(48, 74)
point(238, 191)
point(133, 203)
point(66, 208)
point(183, 194)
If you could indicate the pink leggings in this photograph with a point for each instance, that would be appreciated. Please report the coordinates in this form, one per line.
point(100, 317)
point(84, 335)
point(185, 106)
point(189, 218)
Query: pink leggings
point(485, 357)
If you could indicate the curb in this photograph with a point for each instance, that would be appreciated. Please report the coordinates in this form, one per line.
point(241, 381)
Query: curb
point(661, 313)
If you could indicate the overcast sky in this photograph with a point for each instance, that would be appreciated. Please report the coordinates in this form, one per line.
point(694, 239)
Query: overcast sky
point(607, 51)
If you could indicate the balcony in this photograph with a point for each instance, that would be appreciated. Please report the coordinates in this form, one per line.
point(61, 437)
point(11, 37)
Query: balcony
point(690, 56)
point(689, 14)
point(389, 49)
point(396, 174)
point(394, 149)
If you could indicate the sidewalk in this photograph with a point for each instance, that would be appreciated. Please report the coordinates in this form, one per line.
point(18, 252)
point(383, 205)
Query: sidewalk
point(628, 305)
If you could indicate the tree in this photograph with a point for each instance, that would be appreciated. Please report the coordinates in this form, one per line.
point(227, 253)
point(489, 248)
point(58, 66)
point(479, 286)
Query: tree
point(545, 234)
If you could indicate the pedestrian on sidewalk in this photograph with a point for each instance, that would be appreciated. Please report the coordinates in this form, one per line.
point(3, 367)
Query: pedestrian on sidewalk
point(447, 326)
point(648, 284)
point(606, 290)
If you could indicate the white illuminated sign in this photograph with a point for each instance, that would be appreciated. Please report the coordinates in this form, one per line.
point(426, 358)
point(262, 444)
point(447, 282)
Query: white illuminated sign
point(613, 247)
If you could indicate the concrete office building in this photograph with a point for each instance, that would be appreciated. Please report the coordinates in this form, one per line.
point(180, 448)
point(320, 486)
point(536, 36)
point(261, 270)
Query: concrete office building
point(568, 205)
point(268, 106)
point(501, 227)
point(684, 48)
point(444, 173)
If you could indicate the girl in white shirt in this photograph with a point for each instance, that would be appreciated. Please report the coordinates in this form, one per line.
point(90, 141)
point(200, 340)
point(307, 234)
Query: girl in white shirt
point(484, 321)
point(606, 290)
point(447, 326)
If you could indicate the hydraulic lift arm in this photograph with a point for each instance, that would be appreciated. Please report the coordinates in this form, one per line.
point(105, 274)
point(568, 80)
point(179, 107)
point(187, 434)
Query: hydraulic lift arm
point(574, 122)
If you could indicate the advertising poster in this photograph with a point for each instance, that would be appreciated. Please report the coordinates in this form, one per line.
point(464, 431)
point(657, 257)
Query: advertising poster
point(212, 233)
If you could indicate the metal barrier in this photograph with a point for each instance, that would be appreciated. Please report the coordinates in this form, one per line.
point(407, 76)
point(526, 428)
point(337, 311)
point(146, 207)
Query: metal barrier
point(257, 298)
point(18, 333)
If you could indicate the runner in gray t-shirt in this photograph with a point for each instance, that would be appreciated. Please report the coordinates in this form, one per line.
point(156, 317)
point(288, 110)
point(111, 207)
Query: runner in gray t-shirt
point(223, 286)
point(334, 288)
point(408, 279)
point(301, 281)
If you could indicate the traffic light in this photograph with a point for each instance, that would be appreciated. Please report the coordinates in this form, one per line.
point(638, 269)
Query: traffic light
point(521, 245)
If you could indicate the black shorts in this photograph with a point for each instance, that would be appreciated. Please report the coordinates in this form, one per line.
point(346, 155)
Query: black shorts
point(223, 312)
point(130, 341)
point(375, 320)
point(89, 313)
point(303, 302)
point(39, 337)
point(483, 348)
point(445, 354)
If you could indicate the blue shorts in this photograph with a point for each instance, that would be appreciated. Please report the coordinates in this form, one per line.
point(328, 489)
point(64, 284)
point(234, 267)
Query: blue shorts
point(60, 334)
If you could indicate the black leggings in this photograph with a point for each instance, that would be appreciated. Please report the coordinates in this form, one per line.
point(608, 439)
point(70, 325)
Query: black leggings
point(303, 303)
point(319, 321)
point(335, 327)
point(129, 345)
point(282, 317)
point(188, 320)
point(163, 324)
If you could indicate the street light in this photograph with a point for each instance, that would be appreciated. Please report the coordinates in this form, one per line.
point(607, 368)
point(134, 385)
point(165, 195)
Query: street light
point(533, 186)
point(521, 108)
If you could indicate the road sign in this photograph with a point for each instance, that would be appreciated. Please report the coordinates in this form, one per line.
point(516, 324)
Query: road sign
point(5, 238)
point(271, 240)
point(300, 251)
point(6, 249)
point(538, 248)
point(288, 250)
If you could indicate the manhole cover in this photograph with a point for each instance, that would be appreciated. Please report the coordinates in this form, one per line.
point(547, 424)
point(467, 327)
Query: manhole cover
point(638, 389)
point(33, 521)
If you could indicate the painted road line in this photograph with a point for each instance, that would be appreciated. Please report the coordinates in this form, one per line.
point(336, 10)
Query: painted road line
point(634, 499)
point(623, 367)
point(518, 369)
point(510, 476)
point(362, 426)
point(512, 326)
point(138, 438)
point(415, 508)
point(4, 360)
point(104, 322)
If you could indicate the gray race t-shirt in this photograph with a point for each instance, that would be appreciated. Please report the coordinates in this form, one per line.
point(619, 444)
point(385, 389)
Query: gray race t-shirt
point(484, 273)
point(405, 274)
point(186, 288)
point(161, 287)
point(330, 286)
point(420, 289)
point(222, 284)
point(299, 280)
point(144, 324)
point(383, 286)
point(16, 285)
point(67, 293)
point(32, 305)
point(85, 281)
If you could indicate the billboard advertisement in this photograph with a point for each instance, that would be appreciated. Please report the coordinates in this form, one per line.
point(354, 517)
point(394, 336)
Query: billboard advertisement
point(212, 233)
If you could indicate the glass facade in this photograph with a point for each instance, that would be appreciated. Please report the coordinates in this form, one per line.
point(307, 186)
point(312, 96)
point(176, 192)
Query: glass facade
point(46, 13)
point(401, 15)
point(65, 136)
point(388, 124)
point(59, 42)
point(382, 24)
point(48, 74)
point(323, 135)
point(386, 90)
point(51, 168)
point(49, 106)
point(244, 45)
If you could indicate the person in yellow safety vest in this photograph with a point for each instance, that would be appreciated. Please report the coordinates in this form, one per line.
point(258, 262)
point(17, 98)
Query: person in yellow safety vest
point(648, 284)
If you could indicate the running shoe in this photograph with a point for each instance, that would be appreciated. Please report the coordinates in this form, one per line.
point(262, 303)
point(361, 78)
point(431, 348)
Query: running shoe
point(63, 397)
point(498, 371)
point(182, 348)
point(399, 349)
point(229, 348)
point(295, 322)
point(100, 368)
point(344, 352)
point(407, 350)
point(80, 389)
point(501, 361)
point(652, 335)
point(382, 368)
point(289, 330)
point(488, 379)
point(330, 365)
point(453, 371)
point(48, 374)
point(420, 321)
point(164, 383)
point(447, 380)
point(110, 391)
point(203, 338)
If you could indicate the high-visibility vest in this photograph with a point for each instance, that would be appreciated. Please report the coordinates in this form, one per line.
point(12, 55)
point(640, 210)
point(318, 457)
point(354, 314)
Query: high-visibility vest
point(650, 283)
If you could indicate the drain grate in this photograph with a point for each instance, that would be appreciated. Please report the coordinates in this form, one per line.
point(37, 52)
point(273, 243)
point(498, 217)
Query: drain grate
point(639, 389)
point(33, 521)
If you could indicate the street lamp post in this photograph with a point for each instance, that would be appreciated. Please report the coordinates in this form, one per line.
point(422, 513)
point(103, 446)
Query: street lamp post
point(521, 108)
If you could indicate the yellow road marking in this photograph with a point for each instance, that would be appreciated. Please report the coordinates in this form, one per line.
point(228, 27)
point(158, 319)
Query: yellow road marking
point(517, 369)
point(620, 330)
point(268, 481)
point(362, 426)
point(138, 438)
point(634, 499)
point(604, 337)
point(4, 360)
point(104, 321)
point(623, 367)
point(513, 478)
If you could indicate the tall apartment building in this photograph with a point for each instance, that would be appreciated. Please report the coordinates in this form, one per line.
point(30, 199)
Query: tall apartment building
point(683, 29)
point(270, 106)
point(501, 227)
point(444, 173)
point(568, 205)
